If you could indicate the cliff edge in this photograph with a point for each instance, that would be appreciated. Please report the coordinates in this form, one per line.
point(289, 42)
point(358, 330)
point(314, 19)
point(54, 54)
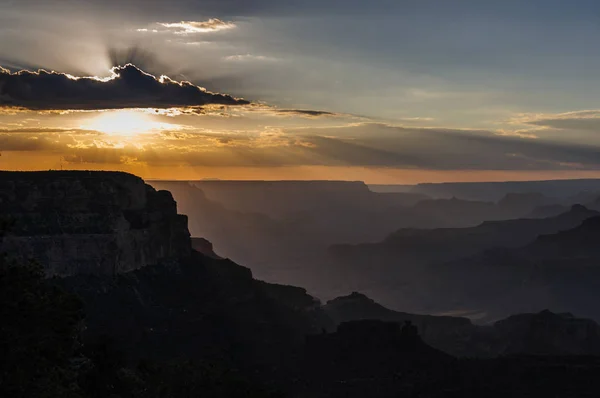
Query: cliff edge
point(98, 223)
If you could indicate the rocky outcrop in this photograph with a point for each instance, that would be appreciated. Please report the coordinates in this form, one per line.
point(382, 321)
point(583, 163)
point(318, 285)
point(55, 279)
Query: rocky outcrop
point(369, 348)
point(558, 271)
point(357, 306)
point(408, 269)
point(449, 334)
point(522, 203)
point(198, 307)
point(205, 247)
point(101, 223)
point(577, 245)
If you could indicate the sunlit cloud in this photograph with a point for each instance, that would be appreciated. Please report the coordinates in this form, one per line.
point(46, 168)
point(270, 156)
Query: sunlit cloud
point(417, 119)
point(197, 43)
point(250, 58)
point(251, 110)
point(210, 109)
point(267, 110)
point(191, 27)
point(517, 133)
point(358, 144)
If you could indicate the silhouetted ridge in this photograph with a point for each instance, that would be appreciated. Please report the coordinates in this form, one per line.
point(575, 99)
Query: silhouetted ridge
point(409, 266)
point(357, 306)
point(543, 333)
point(576, 242)
point(546, 211)
point(558, 271)
point(578, 208)
point(493, 191)
point(371, 348)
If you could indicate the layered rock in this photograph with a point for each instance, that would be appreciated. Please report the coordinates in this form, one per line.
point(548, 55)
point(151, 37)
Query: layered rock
point(449, 334)
point(101, 223)
point(357, 306)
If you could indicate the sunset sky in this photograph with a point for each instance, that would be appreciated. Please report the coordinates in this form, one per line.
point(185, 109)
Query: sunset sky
point(386, 91)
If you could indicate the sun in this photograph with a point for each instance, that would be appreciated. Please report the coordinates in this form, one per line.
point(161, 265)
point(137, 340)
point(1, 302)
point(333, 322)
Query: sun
point(126, 123)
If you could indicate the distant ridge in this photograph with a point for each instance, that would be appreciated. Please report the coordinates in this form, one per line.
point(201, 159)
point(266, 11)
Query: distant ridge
point(217, 181)
point(494, 191)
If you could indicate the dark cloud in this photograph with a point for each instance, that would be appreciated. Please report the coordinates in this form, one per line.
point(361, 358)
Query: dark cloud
point(305, 112)
point(135, 55)
point(129, 87)
point(16, 65)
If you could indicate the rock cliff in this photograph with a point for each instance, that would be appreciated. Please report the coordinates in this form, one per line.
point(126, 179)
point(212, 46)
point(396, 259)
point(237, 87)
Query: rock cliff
point(100, 223)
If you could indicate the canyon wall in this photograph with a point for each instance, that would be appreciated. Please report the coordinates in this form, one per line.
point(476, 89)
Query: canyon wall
point(99, 223)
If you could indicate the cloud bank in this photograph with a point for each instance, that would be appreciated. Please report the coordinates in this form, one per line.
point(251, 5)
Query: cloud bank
point(128, 87)
point(361, 144)
point(190, 27)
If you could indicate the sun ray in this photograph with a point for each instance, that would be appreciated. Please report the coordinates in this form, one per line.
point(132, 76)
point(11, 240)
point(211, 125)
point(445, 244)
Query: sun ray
point(126, 123)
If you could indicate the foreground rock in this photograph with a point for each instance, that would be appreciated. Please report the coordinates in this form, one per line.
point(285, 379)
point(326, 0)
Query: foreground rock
point(77, 223)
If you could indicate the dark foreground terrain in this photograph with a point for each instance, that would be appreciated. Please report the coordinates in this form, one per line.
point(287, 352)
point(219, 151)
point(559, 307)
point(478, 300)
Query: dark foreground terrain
point(102, 294)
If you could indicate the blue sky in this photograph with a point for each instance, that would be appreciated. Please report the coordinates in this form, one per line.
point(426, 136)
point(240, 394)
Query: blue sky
point(519, 76)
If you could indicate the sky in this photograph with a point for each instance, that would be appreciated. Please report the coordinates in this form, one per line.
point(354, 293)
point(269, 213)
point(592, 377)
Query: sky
point(385, 91)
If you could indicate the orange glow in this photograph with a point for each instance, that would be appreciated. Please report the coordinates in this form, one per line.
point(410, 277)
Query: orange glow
point(125, 123)
point(43, 161)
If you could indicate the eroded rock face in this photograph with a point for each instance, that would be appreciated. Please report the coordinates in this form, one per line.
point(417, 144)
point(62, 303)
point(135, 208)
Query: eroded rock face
point(100, 223)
